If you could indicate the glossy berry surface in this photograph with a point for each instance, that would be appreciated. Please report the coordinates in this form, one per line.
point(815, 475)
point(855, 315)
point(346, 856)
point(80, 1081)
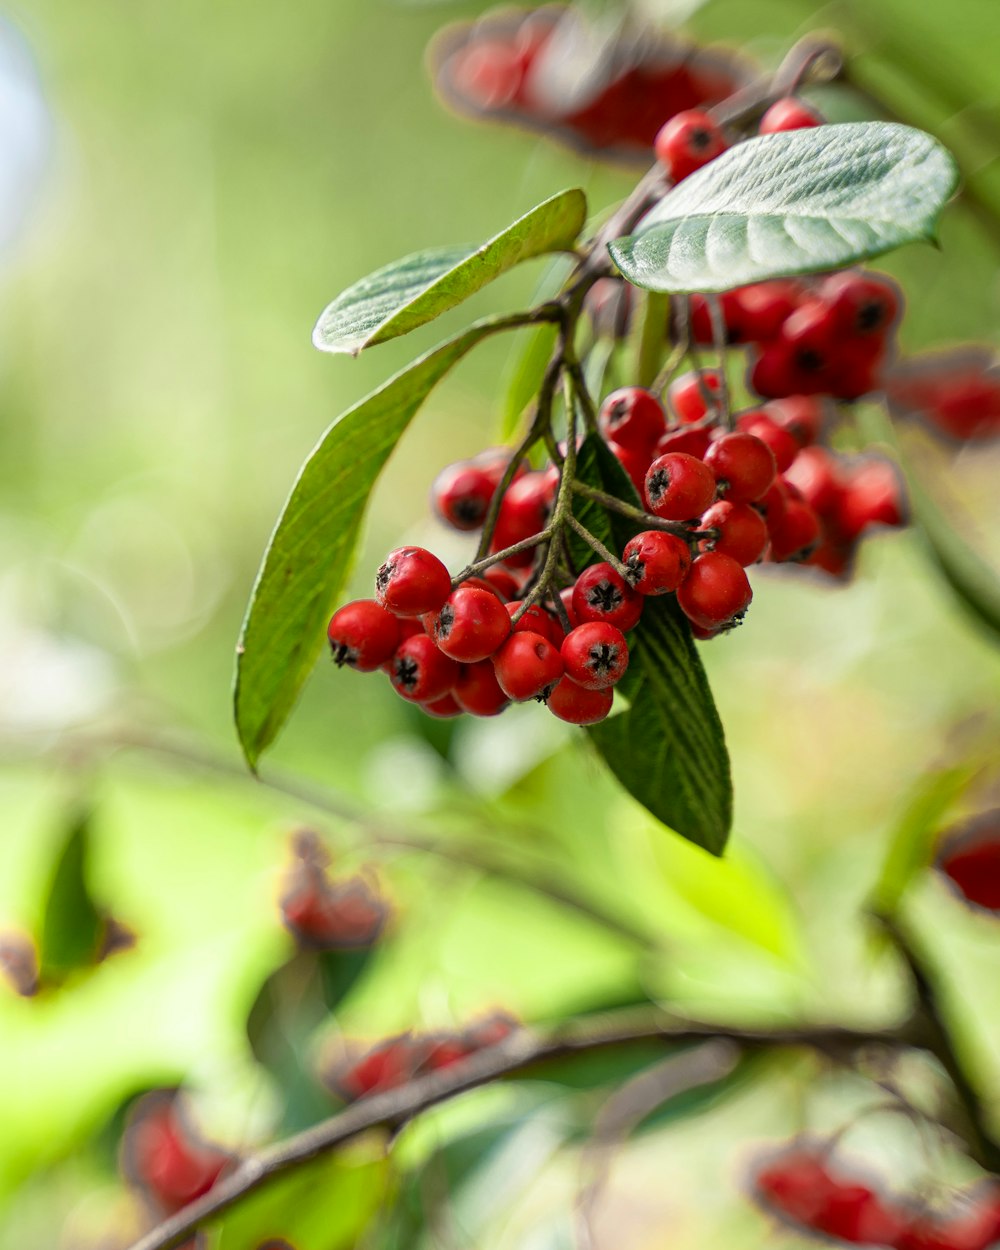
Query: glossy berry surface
point(420, 672)
point(571, 703)
point(716, 592)
point(679, 487)
point(527, 666)
point(687, 142)
point(633, 418)
point(602, 594)
point(657, 562)
point(363, 635)
point(789, 114)
point(741, 531)
point(461, 495)
point(743, 465)
point(477, 690)
point(595, 655)
point(470, 624)
point(412, 581)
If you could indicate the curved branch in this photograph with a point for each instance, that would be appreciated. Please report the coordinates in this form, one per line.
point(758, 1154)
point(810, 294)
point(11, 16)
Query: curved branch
point(518, 1053)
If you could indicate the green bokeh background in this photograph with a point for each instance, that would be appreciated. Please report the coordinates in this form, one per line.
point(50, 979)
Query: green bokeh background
point(217, 173)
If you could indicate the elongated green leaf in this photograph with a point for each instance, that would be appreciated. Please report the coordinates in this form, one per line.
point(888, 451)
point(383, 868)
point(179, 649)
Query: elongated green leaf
point(309, 555)
point(912, 844)
point(668, 749)
point(325, 1205)
point(797, 202)
point(410, 292)
point(72, 925)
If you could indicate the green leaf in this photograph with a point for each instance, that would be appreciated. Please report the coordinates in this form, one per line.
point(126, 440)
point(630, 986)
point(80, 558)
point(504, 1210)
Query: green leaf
point(801, 201)
point(911, 847)
point(668, 750)
point(72, 924)
point(410, 292)
point(309, 556)
point(323, 1205)
point(526, 374)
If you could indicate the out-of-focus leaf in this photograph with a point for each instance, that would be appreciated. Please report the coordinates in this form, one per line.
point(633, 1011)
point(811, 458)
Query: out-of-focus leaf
point(323, 1205)
point(911, 846)
point(597, 1069)
point(702, 1098)
point(309, 556)
point(802, 201)
point(410, 292)
point(72, 926)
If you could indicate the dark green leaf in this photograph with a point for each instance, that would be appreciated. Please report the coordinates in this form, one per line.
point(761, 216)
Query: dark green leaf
point(911, 847)
point(309, 556)
point(701, 1098)
point(597, 1069)
point(323, 1205)
point(72, 925)
point(668, 748)
point(801, 201)
point(410, 292)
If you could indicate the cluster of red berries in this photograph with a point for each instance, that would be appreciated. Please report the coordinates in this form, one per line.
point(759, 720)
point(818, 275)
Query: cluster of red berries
point(165, 1159)
point(782, 496)
point(828, 337)
point(970, 859)
point(801, 1187)
point(548, 70)
point(325, 914)
point(397, 1060)
point(460, 650)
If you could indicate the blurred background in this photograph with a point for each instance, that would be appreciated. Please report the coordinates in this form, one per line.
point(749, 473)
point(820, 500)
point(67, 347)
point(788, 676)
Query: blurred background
point(183, 188)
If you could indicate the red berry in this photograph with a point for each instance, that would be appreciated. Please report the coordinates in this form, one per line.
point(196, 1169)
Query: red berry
point(527, 665)
point(420, 672)
point(796, 535)
point(461, 495)
point(489, 74)
point(164, 1157)
point(872, 495)
point(536, 620)
point(502, 581)
point(816, 475)
point(523, 513)
point(470, 624)
point(595, 655)
point(601, 594)
point(857, 368)
point(862, 304)
point(566, 599)
point(784, 446)
point(687, 142)
point(363, 635)
point(391, 1063)
point(657, 562)
point(632, 418)
point(679, 487)
point(634, 462)
point(572, 703)
point(763, 308)
point(411, 582)
point(789, 114)
point(691, 394)
point(742, 531)
point(743, 466)
point(477, 690)
point(801, 415)
point(771, 505)
point(715, 594)
point(693, 440)
point(444, 708)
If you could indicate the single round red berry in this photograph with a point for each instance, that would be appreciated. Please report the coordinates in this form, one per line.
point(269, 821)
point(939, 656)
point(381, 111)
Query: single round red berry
point(632, 418)
point(444, 708)
point(570, 702)
point(872, 495)
point(743, 466)
point(536, 620)
point(595, 655)
point(523, 513)
point(527, 666)
point(803, 416)
point(363, 635)
point(601, 594)
point(470, 624)
point(477, 690)
point(762, 308)
point(784, 446)
point(679, 487)
point(716, 593)
point(693, 440)
point(798, 532)
point(742, 531)
point(789, 114)
point(634, 462)
point(862, 304)
point(461, 495)
point(817, 476)
point(688, 141)
point(657, 562)
point(420, 672)
point(412, 581)
point(692, 394)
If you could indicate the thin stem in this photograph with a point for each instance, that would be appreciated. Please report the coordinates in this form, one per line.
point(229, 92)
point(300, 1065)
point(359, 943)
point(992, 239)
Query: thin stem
point(614, 504)
point(479, 566)
point(670, 367)
point(595, 544)
point(521, 1051)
